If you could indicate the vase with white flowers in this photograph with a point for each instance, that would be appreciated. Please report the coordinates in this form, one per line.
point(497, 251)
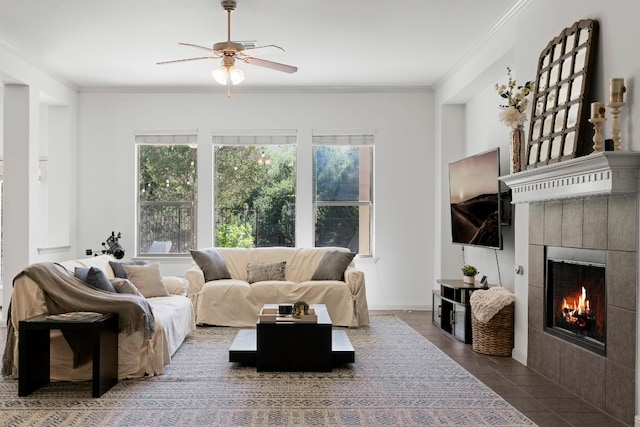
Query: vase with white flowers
point(513, 115)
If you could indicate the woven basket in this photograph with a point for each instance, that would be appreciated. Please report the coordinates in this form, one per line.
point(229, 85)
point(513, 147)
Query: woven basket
point(496, 336)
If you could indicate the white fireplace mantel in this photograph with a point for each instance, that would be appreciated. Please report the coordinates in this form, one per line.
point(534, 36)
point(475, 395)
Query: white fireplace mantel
point(608, 172)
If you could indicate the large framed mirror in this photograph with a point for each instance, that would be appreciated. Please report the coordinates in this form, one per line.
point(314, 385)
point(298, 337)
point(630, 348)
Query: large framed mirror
point(559, 127)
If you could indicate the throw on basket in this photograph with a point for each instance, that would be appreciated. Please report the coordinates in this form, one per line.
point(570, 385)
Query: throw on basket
point(492, 321)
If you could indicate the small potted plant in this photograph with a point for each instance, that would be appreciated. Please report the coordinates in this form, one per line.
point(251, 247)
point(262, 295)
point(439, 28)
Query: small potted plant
point(469, 273)
point(300, 308)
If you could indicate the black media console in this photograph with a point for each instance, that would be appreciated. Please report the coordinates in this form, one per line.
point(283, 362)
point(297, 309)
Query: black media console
point(451, 309)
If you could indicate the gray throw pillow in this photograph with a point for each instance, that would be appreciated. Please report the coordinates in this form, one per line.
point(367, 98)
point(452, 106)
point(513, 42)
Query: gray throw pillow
point(268, 271)
point(333, 265)
point(147, 279)
point(119, 271)
point(211, 263)
point(95, 278)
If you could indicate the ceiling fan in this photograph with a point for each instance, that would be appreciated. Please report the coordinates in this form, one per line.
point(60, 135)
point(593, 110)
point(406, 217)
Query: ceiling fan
point(229, 51)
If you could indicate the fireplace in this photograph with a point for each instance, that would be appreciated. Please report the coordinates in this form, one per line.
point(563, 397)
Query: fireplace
point(590, 202)
point(575, 295)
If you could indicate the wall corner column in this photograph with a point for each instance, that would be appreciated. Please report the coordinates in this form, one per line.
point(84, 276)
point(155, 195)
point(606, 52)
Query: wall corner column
point(20, 182)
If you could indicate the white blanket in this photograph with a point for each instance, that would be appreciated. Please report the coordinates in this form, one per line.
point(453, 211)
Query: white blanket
point(487, 303)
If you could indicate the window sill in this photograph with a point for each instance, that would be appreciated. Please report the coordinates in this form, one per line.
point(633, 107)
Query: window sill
point(366, 259)
point(165, 258)
point(53, 249)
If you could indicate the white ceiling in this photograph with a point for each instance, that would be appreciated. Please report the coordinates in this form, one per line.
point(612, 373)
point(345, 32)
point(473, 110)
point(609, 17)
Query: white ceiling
point(366, 43)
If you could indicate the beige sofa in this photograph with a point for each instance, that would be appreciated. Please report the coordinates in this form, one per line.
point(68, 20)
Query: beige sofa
point(237, 302)
point(138, 355)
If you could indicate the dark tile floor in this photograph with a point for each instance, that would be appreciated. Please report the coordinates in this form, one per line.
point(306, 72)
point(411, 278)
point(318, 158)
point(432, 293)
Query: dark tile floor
point(542, 401)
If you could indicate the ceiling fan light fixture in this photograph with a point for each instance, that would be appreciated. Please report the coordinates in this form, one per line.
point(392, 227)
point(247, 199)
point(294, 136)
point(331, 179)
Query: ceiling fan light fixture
point(236, 75)
point(228, 72)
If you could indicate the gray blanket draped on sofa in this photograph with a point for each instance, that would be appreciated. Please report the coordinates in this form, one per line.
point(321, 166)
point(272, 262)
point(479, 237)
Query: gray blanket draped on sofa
point(65, 293)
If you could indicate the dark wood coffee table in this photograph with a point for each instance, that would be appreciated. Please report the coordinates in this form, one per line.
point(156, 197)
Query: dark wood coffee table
point(289, 346)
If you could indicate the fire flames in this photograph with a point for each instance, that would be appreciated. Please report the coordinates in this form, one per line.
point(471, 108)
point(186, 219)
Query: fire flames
point(579, 311)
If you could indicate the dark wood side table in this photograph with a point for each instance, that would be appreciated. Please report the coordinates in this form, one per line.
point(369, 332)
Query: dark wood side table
point(34, 349)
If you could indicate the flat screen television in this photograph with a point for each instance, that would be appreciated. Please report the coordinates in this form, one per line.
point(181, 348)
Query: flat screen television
point(474, 194)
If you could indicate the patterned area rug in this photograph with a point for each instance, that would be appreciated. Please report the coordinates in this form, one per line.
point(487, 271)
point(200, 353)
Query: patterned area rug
point(399, 379)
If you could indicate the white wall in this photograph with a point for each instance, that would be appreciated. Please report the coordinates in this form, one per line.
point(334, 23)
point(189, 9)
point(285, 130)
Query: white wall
point(91, 163)
point(38, 115)
point(399, 275)
point(484, 132)
point(518, 44)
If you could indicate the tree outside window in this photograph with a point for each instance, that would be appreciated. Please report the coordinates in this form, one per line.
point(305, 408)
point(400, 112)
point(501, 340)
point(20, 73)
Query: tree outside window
point(254, 194)
point(167, 194)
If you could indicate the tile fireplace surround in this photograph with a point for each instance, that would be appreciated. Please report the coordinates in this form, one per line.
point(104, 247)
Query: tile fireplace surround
point(589, 202)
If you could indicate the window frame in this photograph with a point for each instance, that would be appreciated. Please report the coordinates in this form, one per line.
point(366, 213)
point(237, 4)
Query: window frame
point(177, 138)
point(358, 139)
point(255, 138)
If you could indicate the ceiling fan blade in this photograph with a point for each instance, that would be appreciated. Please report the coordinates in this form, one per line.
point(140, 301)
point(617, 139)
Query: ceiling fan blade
point(268, 46)
point(208, 49)
point(270, 64)
point(187, 59)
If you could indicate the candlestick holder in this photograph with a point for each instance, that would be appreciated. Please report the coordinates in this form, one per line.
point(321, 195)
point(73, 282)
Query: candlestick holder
point(598, 139)
point(615, 125)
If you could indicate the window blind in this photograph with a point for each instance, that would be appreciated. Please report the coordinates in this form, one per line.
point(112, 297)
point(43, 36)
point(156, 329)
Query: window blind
point(356, 139)
point(254, 139)
point(167, 139)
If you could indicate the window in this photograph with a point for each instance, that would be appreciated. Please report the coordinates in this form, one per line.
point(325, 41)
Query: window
point(343, 191)
point(166, 220)
point(254, 190)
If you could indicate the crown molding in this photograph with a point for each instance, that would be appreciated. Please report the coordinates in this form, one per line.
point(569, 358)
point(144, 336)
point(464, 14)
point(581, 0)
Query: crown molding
point(255, 89)
point(37, 64)
point(510, 14)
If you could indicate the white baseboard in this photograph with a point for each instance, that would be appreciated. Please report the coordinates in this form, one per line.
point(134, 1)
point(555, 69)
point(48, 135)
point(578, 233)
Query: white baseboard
point(519, 356)
point(401, 307)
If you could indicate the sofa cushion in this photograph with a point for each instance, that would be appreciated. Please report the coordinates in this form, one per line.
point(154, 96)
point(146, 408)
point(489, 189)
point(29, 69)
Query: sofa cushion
point(333, 265)
point(125, 286)
point(95, 278)
point(100, 261)
point(274, 292)
point(267, 271)
point(119, 271)
point(176, 285)
point(211, 263)
point(147, 279)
